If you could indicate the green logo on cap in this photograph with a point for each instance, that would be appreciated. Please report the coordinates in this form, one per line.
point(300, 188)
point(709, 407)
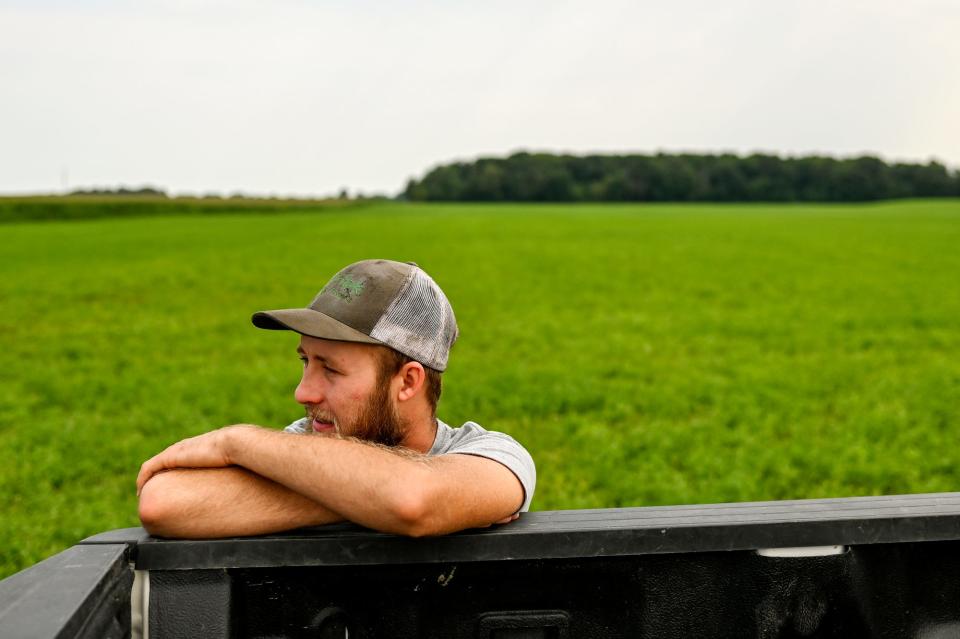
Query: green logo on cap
point(344, 287)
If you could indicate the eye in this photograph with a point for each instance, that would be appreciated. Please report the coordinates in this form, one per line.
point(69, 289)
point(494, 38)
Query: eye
point(303, 360)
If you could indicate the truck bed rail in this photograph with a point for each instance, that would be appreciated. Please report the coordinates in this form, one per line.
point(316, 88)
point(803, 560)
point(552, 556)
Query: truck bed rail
point(855, 567)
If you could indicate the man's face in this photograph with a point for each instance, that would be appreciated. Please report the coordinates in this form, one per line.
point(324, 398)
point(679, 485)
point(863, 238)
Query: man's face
point(343, 391)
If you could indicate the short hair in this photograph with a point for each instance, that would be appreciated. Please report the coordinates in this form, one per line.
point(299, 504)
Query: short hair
point(390, 362)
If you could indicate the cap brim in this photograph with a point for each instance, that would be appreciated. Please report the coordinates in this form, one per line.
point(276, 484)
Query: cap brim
point(307, 321)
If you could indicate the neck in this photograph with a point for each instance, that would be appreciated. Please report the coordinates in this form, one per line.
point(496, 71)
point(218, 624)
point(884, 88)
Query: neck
point(422, 431)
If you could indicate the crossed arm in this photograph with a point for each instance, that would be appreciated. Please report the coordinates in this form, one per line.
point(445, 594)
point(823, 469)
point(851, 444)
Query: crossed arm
point(245, 480)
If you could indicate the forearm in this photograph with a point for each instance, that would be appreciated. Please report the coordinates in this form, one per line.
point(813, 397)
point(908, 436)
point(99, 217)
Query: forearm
point(224, 502)
point(300, 480)
point(379, 488)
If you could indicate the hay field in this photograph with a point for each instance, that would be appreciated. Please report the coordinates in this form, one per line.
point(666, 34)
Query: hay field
point(646, 355)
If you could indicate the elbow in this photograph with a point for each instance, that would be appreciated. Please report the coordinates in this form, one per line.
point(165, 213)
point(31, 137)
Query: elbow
point(413, 514)
point(150, 512)
point(155, 508)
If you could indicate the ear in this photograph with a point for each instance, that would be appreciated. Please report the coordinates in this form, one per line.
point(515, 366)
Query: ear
point(412, 377)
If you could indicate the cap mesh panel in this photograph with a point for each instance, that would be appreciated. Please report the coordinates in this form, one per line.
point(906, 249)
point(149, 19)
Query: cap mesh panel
point(419, 322)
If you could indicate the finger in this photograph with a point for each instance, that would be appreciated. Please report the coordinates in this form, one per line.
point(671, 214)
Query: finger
point(152, 466)
point(147, 470)
point(142, 478)
point(200, 452)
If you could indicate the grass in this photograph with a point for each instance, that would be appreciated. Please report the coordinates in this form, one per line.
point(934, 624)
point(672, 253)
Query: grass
point(645, 354)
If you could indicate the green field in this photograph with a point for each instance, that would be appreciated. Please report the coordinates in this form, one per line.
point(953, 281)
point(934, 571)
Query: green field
point(644, 354)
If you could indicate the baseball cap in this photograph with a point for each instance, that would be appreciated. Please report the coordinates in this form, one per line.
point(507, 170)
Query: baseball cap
point(395, 304)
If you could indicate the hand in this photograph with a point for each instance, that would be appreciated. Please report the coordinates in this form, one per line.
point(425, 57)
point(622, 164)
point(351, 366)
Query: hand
point(507, 520)
point(204, 451)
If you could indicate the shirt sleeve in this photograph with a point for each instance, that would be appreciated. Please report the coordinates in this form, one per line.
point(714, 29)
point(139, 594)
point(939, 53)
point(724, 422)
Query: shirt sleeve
point(475, 440)
point(298, 427)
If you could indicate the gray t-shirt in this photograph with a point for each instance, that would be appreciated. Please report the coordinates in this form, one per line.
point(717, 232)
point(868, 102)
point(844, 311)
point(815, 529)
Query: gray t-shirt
point(474, 439)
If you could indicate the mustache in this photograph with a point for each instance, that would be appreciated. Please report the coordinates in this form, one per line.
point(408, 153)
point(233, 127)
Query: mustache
point(321, 415)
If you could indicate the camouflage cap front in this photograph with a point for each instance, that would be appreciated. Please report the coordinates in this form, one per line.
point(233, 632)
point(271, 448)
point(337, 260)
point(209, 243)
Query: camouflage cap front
point(377, 302)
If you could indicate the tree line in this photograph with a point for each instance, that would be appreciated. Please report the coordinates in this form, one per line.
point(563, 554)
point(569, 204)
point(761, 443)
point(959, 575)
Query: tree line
point(123, 191)
point(546, 177)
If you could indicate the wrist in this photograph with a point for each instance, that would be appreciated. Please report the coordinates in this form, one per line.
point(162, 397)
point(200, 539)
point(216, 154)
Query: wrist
point(232, 443)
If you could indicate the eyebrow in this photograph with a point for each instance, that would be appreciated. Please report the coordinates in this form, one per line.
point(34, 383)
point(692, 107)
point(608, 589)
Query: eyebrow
point(323, 359)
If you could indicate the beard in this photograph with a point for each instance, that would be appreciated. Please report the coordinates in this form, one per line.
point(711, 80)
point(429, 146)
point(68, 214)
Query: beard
point(377, 421)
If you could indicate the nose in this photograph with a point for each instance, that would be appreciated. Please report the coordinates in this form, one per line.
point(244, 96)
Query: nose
point(309, 390)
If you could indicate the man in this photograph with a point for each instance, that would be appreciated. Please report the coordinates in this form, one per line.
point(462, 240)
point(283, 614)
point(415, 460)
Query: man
point(370, 450)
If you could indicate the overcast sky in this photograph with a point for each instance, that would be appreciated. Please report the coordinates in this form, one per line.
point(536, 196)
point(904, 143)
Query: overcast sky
point(301, 98)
